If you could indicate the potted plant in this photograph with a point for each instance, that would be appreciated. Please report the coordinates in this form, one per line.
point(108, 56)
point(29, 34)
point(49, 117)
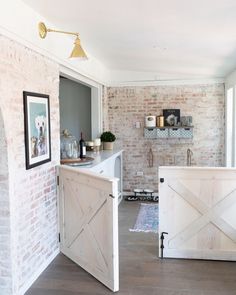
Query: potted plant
point(108, 139)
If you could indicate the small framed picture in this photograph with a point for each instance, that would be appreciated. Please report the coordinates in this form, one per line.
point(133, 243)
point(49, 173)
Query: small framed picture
point(186, 121)
point(37, 129)
point(171, 117)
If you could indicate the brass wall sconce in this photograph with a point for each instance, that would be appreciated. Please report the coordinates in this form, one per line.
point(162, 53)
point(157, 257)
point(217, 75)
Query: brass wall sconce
point(77, 50)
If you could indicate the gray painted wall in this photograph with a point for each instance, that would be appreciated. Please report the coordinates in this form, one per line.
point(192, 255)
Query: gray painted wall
point(75, 108)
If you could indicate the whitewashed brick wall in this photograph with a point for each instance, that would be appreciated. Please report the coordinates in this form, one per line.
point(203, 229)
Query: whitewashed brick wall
point(5, 249)
point(126, 105)
point(32, 193)
point(105, 108)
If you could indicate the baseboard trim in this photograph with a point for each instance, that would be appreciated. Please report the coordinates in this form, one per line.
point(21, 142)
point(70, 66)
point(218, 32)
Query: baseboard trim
point(35, 276)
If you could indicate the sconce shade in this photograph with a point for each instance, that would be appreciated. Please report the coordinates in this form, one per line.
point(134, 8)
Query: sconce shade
point(78, 50)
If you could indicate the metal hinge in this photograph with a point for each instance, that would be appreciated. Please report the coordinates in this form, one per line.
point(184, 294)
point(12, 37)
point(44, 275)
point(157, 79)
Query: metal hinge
point(57, 179)
point(110, 195)
point(59, 237)
point(162, 180)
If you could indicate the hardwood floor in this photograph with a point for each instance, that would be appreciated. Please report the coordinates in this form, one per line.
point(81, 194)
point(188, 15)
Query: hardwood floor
point(141, 272)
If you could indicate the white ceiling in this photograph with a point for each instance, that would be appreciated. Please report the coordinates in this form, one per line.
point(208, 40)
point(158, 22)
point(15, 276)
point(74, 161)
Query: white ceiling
point(169, 38)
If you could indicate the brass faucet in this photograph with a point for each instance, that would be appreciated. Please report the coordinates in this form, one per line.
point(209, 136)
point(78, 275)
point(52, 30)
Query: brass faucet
point(189, 157)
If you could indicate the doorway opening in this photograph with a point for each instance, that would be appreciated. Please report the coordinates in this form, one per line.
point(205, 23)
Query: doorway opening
point(75, 108)
point(80, 104)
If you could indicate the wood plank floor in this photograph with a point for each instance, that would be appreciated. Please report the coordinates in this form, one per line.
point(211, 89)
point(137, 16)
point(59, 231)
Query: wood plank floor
point(141, 272)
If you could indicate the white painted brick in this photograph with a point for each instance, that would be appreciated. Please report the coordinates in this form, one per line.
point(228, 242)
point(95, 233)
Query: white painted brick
point(23, 69)
point(125, 105)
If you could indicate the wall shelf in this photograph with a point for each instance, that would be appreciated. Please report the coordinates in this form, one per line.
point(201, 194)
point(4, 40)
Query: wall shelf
point(168, 132)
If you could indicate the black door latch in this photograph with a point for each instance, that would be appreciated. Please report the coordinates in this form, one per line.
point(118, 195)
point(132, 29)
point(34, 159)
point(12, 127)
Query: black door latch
point(162, 242)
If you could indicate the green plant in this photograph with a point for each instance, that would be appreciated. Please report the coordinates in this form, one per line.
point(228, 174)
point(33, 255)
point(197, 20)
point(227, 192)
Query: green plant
point(107, 136)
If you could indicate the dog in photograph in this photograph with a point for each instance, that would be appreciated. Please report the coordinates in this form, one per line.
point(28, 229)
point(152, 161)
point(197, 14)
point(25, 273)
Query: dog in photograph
point(41, 146)
point(40, 124)
point(34, 151)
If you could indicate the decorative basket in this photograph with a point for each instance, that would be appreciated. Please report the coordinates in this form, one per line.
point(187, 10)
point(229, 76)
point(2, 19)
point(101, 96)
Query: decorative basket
point(186, 132)
point(174, 132)
point(162, 132)
point(150, 133)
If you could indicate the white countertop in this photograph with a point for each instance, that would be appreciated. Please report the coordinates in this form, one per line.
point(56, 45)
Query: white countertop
point(99, 157)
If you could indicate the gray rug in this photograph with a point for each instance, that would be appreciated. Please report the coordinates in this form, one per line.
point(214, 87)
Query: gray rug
point(148, 219)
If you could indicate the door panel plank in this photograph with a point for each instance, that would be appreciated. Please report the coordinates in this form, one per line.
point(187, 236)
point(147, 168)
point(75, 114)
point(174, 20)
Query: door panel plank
point(195, 209)
point(89, 223)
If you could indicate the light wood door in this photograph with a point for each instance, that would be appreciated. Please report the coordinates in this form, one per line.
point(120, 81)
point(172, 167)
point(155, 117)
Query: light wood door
point(197, 209)
point(88, 210)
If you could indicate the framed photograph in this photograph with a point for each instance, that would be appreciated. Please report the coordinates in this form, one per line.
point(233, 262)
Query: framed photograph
point(186, 121)
point(171, 117)
point(37, 129)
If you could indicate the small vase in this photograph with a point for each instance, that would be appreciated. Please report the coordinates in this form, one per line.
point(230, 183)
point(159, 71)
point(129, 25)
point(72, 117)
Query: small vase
point(108, 145)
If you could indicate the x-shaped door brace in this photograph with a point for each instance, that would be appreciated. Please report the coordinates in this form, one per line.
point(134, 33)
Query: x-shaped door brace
point(84, 221)
point(207, 214)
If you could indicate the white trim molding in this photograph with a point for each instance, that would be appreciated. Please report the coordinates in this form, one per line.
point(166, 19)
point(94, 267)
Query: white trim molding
point(167, 82)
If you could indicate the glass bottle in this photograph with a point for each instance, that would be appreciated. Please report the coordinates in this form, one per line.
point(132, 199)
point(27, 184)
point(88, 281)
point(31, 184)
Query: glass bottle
point(82, 147)
point(69, 146)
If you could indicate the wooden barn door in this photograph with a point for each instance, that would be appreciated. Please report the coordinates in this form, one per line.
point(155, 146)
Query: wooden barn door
point(88, 210)
point(198, 210)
